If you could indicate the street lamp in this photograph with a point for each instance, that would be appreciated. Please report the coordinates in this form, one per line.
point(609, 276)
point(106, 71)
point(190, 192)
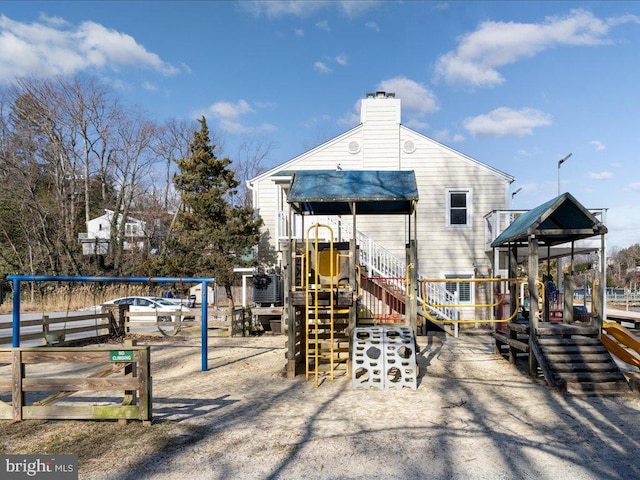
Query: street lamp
point(515, 193)
point(560, 162)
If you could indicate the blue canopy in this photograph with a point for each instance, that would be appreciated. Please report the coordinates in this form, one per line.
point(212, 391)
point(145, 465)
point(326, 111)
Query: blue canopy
point(338, 192)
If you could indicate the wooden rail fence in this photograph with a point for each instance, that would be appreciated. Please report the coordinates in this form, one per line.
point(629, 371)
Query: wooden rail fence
point(59, 330)
point(49, 372)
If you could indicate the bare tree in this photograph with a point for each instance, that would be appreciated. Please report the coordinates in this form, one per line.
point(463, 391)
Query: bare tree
point(171, 145)
point(133, 161)
point(253, 152)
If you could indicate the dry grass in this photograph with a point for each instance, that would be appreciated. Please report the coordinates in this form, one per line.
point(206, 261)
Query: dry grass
point(73, 296)
point(84, 439)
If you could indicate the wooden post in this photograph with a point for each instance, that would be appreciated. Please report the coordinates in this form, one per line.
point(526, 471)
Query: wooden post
point(601, 312)
point(567, 307)
point(145, 385)
point(289, 312)
point(533, 300)
point(411, 297)
point(130, 370)
point(513, 294)
point(18, 374)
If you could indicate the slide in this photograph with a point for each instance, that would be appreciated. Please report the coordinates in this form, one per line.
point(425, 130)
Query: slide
point(625, 339)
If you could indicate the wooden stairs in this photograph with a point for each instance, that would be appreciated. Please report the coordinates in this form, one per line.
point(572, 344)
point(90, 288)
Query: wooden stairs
point(582, 365)
point(570, 357)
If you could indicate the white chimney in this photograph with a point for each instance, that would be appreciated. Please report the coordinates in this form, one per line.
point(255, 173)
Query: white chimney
point(380, 107)
point(380, 117)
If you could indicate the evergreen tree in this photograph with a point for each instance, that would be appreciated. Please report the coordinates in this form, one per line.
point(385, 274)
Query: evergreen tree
point(211, 235)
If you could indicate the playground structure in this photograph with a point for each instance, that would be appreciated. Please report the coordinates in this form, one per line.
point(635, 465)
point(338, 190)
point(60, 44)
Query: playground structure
point(567, 350)
point(326, 291)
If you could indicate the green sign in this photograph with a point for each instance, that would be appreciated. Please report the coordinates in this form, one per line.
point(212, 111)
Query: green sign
point(121, 355)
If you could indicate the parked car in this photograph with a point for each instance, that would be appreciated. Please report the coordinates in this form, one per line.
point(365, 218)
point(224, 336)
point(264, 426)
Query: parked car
point(157, 305)
point(189, 302)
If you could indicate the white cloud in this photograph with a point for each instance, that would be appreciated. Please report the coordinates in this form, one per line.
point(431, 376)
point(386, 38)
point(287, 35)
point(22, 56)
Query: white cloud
point(229, 116)
point(416, 98)
point(372, 26)
point(479, 54)
point(417, 125)
point(600, 175)
point(297, 8)
point(349, 119)
point(442, 135)
point(298, 32)
point(232, 127)
point(598, 145)
point(321, 67)
point(51, 47)
point(635, 187)
point(323, 25)
point(342, 59)
point(355, 8)
point(150, 87)
point(504, 121)
point(281, 8)
point(445, 136)
point(616, 164)
point(228, 110)
point(441, 6)
point(53, 21)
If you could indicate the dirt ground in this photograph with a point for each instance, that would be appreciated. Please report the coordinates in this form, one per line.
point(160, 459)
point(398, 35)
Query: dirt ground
point(473, 416)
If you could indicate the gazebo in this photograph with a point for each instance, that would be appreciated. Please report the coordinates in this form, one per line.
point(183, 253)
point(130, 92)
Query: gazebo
point(560, 349)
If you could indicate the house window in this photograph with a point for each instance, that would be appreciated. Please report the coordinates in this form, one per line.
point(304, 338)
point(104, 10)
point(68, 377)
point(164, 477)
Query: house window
point(461, 289)
point(132, 230)
point(459, 207)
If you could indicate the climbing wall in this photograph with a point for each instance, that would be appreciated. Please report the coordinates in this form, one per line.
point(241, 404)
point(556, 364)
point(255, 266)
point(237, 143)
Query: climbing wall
point(384, 357)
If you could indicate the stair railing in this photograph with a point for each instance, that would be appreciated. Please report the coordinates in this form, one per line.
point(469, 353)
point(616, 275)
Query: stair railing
point(380, 262)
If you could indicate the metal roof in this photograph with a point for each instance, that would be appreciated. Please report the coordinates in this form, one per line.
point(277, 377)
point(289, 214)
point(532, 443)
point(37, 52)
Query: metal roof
point(560, 220)
point(335, 192)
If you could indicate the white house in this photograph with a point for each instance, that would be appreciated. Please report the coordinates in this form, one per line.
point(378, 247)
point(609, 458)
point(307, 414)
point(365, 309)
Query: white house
point(96, 240)
point(455, 193)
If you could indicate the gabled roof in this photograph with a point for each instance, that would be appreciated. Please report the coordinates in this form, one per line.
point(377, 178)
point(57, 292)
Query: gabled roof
point(334, 192)
point(285, 169)
point(560, 220)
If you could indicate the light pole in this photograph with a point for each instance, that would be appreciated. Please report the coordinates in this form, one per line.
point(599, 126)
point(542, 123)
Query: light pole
point(515, 193)
point(560, 162)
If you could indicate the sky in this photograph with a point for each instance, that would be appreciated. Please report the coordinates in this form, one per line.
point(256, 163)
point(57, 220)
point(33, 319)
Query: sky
point(515, 85)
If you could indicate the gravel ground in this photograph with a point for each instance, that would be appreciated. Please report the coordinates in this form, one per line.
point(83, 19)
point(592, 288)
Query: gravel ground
point(474, 415)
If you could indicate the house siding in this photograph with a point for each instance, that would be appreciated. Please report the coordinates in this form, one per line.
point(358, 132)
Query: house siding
point(384, 144)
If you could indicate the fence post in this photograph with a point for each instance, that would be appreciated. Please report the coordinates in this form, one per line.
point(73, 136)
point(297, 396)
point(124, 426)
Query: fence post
point(145, 385)
point(17, 370)
point(130, 370)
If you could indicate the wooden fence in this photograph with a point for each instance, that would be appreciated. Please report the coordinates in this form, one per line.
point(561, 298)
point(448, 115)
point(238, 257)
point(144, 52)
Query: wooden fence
point(56, 369)
point(62, 330)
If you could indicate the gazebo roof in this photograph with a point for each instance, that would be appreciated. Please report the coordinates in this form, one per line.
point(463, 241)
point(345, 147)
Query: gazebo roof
point(560, 220)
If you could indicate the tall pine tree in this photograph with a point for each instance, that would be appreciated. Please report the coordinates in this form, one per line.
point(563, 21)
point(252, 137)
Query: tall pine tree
point(211, 235)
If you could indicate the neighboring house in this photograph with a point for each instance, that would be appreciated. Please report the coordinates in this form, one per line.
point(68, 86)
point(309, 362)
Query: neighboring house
point(98, 236)
point(455, 193)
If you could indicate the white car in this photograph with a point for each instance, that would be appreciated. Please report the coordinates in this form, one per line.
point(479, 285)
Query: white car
point(161, 307)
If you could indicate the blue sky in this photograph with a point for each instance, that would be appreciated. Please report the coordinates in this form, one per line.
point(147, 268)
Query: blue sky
point(516, 85)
